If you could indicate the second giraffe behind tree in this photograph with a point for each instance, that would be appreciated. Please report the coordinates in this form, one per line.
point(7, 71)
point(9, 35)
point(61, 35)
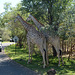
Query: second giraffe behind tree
point(53, 40)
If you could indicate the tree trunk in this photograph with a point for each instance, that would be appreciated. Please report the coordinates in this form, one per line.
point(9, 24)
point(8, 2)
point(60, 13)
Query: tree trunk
point(71, 45)
point(50, 20)
point(67, 46)
point(63, 45)
point(20, 42)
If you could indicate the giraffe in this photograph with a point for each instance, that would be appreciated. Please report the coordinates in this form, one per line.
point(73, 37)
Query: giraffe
point(34, 37)
point(54, 40)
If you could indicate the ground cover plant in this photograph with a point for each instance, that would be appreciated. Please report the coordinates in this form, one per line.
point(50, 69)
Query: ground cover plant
point(21, 56)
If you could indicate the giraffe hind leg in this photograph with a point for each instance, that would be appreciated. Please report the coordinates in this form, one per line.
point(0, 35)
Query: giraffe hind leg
point(61, 56)
point(28, 41)
point(46, 56)
point(43, 53)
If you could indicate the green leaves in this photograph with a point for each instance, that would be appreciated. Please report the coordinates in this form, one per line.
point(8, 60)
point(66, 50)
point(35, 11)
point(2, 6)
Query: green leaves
point(7, 6)
point(49, 9)
point(54, 14)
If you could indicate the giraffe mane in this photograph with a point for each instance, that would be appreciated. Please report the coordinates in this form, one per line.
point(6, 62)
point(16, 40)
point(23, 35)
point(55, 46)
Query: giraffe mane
point(24, 20)
point(38, 21)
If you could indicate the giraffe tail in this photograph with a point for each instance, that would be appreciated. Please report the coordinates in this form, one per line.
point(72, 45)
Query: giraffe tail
point(45, 54)
point(60, 52)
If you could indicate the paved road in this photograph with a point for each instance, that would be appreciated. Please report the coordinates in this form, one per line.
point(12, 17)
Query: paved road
point(9, 67)
point(6, 44)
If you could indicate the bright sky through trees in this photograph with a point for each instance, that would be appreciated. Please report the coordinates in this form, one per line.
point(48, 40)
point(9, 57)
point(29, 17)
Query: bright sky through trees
point(13, 4)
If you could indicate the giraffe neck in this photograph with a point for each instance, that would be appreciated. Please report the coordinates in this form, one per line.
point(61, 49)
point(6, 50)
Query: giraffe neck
point(39, 26)
point(24, 23)
point(37, 23)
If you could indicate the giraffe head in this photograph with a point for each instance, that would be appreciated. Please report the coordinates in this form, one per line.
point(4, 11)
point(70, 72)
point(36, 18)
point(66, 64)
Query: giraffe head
point(16, 17)
point(29, 18)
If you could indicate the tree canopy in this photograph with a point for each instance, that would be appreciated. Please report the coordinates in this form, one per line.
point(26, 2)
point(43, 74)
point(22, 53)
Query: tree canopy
point(50, 12)
point(58, 16)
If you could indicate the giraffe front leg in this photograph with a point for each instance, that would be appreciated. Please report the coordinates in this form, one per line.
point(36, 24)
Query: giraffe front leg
point(47, 58)
point(29, 51)
point(59, 59)
point(58, 53)
point(47, 54)
point(62, 60)
point(29, 58)
point(43, 53)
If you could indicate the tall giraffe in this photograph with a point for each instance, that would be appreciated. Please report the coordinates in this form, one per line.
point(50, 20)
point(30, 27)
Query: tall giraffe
point(54, 40)
point(34, 37)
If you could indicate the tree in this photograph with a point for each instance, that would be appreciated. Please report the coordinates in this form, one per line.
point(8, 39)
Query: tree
point(14, 28)
point(6, 35)
point(7, 6)
point(67, 29)
point(48, 11)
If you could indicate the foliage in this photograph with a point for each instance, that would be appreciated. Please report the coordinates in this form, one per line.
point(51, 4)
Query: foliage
point(54, 14)
point(7, 21)
point(7, 6)
point(67, 27)
point(1, 21)
point(57, 15)
point(48, 10)
point(6, 35)
point(8, 18)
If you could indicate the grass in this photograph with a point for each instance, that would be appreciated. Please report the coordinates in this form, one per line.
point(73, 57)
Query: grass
point(6, 42)
point(21, 57)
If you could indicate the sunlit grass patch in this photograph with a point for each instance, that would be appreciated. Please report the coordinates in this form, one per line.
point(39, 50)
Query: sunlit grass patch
point(6, 42)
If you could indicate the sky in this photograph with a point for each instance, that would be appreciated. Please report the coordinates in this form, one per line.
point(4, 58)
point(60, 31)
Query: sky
point(13, 4)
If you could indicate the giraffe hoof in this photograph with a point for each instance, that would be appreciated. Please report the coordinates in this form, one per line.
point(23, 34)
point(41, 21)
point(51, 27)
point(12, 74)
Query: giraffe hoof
point(28, 62)
point(44, 66)
point(63, 63)
point(58, 64)
point(47, 64)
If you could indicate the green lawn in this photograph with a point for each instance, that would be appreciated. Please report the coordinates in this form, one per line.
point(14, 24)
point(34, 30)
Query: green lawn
point(36, 65)
point(6, 42)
